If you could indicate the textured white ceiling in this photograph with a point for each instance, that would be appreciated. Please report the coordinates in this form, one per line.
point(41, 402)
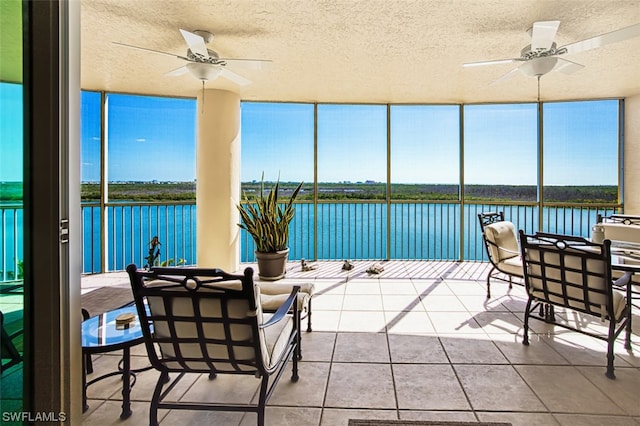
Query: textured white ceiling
point(370, 51)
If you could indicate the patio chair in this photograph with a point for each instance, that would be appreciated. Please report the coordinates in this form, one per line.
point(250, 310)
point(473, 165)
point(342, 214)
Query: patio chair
point(620, 227)
point(574, 273)
point(501, 244)
point(7, 348)
point(207, 321)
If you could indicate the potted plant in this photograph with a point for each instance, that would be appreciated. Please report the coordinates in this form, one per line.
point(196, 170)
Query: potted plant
point(267, 220)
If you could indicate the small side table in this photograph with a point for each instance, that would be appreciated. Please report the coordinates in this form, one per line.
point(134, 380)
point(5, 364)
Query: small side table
point(100, 335)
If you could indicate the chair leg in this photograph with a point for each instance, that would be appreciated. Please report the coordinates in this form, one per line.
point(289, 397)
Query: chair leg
point(309, 316)
point(262, 399)
point(493, 268)
point(155, 400)
point(610, 341)
point(525, 339)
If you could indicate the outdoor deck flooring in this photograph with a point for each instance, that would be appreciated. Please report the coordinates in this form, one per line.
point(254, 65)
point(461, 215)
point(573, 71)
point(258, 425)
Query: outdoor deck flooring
point(418, 341)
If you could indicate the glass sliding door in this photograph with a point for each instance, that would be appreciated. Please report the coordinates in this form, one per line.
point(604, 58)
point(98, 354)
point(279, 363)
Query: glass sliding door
point(11, 209)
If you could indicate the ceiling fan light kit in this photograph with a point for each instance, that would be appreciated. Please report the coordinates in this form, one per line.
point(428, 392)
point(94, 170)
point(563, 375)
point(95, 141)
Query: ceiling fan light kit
point(543, 56)
point(205, 64)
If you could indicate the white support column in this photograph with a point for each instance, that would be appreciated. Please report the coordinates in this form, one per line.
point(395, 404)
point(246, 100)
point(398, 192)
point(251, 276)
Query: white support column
point(632, 155)
point(218, 180)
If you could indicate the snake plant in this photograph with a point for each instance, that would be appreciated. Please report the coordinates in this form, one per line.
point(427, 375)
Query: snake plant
point(267, 220)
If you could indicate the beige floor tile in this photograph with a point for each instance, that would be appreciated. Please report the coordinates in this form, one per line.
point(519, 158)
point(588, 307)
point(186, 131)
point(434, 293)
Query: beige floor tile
point(442, 416)
point(407, 348)
point(428, 387)
point(497, 388)
point(326, 287)
point(308, 391)
point(188, 417)
point(403, 302)
point(327, 302)
point(577, 348)
point(479, 303)
point(398, 287)
point(624, 390)
point(360, 386)
point(108, 413)
point(326, 320)
point(472, 351)
point(362, 321)
point(537, 352)
point(593, 420)
point(362, 302)
point(443, 304)
point(431, 288)
point(341, 416)
point(363, 286)
point(563, 389)
point(225, 388)
point(318, 346)
point(361, 347)
point(467, 288)
point(499, 322)
point(285, 416)
point(408, 323)
point(519, 419)
point(454, 322)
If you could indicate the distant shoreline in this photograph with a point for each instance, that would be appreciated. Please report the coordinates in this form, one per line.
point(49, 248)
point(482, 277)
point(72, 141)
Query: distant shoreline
point(11, 192)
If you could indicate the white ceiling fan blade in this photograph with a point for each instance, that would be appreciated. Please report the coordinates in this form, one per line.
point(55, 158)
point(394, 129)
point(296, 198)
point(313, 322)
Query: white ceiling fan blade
point(567, 67)
point(505, 77)
point(252, 64)
point(177, 72)
point(494, 62)
point(232, 76)
point(601, 40)
point(150, 50)
point(543, 34)
point(195, 42)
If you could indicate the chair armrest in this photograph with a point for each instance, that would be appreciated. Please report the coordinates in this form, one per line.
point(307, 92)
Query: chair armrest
point(503, 249)
point(284, 308)
point(624, 280)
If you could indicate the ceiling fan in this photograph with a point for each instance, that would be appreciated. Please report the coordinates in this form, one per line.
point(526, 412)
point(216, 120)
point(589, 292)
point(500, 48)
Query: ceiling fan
point(205, 64)
point(543, 55)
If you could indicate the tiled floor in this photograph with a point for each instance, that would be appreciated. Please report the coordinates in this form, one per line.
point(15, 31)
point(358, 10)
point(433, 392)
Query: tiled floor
point(419, 341)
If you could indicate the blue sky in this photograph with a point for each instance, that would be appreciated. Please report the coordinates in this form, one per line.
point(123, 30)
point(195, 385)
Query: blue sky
point(151, 138)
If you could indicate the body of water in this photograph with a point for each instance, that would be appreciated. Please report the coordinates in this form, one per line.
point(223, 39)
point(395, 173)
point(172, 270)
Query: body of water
point(430, 231)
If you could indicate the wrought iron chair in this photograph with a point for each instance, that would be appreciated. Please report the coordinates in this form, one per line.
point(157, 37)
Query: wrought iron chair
point(7, 348)
point(501, 243)
point(574, 273)
point(207, 321)
point(626, 228)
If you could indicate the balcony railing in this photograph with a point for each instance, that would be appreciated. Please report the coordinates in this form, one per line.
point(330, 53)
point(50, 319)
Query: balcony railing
point(343, 230)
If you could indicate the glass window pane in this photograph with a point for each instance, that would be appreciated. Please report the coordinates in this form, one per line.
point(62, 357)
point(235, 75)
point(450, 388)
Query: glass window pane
point(425, 152)
point(277, 140)
point(352, 151)
point(500, 152)
point(581, 152)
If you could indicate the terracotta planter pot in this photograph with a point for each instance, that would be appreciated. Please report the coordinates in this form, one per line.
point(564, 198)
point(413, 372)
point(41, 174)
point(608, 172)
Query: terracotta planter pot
point(272, 266)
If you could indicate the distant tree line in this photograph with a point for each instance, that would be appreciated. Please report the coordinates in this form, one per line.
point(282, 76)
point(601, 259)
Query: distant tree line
point(186, 191)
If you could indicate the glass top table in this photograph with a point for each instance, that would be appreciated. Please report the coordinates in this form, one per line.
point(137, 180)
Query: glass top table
point(101, 334)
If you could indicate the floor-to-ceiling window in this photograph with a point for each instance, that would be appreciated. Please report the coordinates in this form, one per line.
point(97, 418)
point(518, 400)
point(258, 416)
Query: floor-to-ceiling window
point(425, 181)
point(580, 162)
point(278, 142)
point(352, 181)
